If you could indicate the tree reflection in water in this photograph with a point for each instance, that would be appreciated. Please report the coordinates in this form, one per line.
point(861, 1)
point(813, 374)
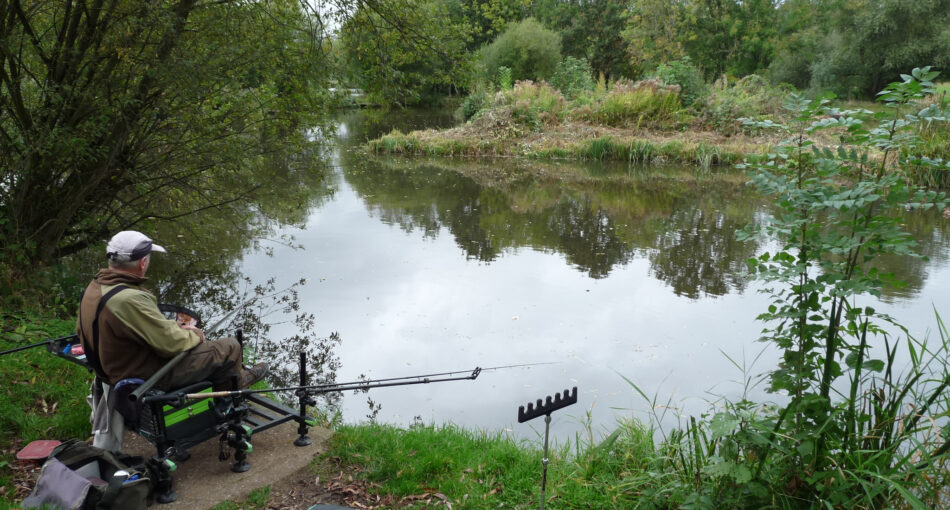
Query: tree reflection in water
point(674, 223)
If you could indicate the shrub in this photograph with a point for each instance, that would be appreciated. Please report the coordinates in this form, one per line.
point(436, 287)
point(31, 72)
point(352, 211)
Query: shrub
point(751, 97)
point(572, 76)
point(473, 103)
point(527, 104)
point(682, 72)
point(538, 96)
point(527, 48)
point(649, 101)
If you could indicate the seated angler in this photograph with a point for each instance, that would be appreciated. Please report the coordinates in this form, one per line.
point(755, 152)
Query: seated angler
point(126, 336)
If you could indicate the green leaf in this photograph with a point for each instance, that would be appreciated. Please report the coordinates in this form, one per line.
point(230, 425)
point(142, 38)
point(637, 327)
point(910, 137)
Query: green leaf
point(723, 424)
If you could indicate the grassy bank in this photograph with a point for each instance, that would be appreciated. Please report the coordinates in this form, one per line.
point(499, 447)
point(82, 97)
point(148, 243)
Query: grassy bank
point(645, 123)
point(642, 123)
point(603, 144)
point(43, 397)
point(470, 469)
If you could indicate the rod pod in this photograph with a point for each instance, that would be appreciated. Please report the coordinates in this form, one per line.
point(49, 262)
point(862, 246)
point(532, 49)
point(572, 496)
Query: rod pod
point(546, 408)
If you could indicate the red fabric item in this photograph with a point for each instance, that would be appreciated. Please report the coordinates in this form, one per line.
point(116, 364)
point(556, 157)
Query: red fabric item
point(37, 450)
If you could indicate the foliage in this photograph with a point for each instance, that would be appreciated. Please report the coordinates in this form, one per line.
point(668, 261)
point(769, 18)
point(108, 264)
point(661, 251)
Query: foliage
point(504, 78)
point(477, 100)
point(801, 25)
point(646, 102)
point(591, 31)
point(837, 214)
point(687, 76)
point(527, 48)
point(750, 97)
point(730, 36)
point(418, 60)
point(474, 470)
point(572, 76)
point(531, 104)
point(652, 33)
point(869, 43)
point(487, 19)
point(130, 115)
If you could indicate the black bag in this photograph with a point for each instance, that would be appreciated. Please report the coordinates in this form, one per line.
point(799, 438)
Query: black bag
point(80, 476)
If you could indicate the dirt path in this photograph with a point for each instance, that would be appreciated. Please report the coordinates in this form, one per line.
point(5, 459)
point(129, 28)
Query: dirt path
point(203, 481)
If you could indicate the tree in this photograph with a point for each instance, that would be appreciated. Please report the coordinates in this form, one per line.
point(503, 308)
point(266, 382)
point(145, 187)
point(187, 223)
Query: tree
point(720, 36)
point(590, 30)
point(422, 57)
point(730, 36)
point(801, 26)
point(653, 33)
point(871, 42)
point(116, 114)
point(527, 48)
point(489, 18)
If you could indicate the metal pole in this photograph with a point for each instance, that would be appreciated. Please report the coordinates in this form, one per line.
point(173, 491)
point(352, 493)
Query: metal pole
point(544, 459)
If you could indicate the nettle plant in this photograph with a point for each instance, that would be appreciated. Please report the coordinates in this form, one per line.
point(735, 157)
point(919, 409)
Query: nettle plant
point(860, 429)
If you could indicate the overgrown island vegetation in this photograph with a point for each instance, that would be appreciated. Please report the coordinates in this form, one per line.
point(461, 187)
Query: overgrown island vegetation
point(196, 117)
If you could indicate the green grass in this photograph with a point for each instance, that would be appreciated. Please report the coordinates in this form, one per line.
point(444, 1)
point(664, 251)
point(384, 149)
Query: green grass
point(43, 397)
point(257, 499)
point(490, 470)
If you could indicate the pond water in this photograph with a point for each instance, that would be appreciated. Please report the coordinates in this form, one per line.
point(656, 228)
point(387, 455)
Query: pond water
point(421, 269)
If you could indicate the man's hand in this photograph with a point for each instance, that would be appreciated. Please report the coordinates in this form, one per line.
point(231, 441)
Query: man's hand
point(189, 327)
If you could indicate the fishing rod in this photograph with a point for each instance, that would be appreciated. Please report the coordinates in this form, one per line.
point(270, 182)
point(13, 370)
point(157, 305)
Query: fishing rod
point(317, 389)
point(440, 374)
point(38, 344)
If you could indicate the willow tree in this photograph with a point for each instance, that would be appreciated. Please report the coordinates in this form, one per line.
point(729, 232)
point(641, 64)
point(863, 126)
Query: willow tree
point(118, 113)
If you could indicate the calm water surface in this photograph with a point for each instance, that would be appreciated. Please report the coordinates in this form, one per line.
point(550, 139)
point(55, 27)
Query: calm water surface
point(422, 270)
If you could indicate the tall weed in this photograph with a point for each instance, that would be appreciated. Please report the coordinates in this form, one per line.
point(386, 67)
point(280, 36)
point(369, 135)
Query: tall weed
point(845, 438)
point(750, 97)
point(646, 102)
point(864, 420)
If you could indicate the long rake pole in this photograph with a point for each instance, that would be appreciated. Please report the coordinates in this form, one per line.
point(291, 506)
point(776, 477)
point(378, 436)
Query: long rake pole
point(545, 408)
point(544, 459)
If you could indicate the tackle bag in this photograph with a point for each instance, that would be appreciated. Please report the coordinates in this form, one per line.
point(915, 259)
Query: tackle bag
point(79, 476)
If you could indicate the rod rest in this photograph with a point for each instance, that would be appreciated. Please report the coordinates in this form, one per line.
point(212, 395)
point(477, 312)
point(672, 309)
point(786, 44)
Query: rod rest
point(548, 407)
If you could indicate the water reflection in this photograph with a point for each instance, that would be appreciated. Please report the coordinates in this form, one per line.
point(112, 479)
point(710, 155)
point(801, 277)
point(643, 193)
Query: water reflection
point(676, 223)
point(426, 265)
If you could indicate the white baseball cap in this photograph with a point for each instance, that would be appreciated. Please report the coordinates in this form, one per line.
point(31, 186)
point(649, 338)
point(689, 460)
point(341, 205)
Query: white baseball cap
point(130, 245)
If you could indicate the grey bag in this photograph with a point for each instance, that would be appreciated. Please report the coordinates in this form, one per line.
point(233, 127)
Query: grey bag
point(80, 476)
point(58, 486)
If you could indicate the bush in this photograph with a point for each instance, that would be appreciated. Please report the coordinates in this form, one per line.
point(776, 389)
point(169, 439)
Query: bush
point(573, 76)
point(751, 97)
point(473, 103)
point(682, 72)
point(646, 101)
point(527, 105)
point(527, 48)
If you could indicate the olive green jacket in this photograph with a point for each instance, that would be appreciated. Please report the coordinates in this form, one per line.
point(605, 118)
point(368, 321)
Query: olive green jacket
point(135, 339)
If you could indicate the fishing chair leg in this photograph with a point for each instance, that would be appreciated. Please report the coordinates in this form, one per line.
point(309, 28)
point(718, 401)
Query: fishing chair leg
point(181, 455)
point(238, 437)
point(160, 470)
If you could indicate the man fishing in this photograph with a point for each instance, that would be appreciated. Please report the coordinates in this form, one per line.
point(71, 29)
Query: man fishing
point(125, 335)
